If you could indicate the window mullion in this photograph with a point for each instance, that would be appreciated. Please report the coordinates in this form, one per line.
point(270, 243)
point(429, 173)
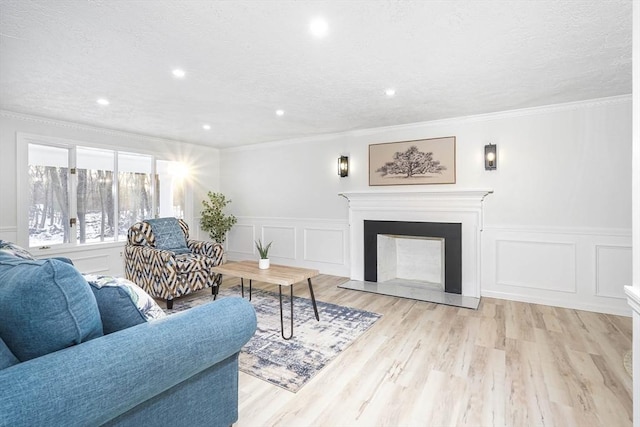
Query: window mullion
point(115, 190)
point(73, 197)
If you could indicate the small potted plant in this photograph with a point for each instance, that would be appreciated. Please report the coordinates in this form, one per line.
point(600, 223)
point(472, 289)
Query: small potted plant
point(263, 263)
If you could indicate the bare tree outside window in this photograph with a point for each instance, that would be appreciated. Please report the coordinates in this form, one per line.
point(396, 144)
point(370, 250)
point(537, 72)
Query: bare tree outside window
point(50, 182)
point(48, 196)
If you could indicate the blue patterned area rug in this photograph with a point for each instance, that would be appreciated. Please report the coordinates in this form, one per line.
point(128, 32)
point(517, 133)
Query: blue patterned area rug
point(291, 364)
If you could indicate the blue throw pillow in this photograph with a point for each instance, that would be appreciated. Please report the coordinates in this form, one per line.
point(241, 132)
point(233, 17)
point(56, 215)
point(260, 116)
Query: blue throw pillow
point(6, 357)
point(45, 306)
point(122, 303)
point(168, 234)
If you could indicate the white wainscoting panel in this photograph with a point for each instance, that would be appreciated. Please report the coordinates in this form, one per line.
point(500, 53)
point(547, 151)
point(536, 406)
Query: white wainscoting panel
point(105, 259)
point(584, 269)
point(9, 234)
point(312, 243)
point(283, 241)
point(612, 270)
point(537, 265)
point(240, 240)
point(93, 264)
point(325, 245)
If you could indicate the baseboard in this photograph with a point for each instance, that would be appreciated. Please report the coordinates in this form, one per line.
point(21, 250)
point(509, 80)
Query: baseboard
point(618, 307)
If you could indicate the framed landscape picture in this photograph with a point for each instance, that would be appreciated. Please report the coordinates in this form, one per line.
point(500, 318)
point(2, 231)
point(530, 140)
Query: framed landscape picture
point(423, 161)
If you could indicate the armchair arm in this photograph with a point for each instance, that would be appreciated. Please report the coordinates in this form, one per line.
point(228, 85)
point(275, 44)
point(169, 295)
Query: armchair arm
point(209, 249)
point(94, 382)
point(149, 254)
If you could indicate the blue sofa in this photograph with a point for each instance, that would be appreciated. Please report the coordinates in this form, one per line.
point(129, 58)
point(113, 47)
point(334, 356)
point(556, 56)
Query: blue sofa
point(178, 370)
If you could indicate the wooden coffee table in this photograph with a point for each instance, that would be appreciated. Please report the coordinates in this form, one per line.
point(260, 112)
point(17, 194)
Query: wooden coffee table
point(280, 275)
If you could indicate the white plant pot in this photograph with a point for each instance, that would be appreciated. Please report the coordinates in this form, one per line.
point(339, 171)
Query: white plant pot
point(263, 264)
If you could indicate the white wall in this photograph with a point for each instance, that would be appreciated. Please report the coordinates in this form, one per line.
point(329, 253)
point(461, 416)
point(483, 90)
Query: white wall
point(633, 290)
point(557, 226)
point(99, 259)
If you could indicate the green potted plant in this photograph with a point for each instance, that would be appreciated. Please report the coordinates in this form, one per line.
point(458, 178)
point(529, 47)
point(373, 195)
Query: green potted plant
point(213, 219)
point(263, 263)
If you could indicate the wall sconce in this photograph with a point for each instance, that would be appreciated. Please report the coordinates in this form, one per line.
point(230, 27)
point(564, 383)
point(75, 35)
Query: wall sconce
point(490, 157)
point(343, 166)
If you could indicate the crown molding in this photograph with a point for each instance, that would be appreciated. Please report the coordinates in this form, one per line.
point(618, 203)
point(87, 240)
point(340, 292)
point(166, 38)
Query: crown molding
point(567, 106)
point(531, 111)
point(88, 128)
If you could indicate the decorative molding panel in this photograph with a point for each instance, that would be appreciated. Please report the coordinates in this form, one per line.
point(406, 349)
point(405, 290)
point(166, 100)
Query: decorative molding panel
point(325, 245)
point(105, 259)
point(301, 242)
point(536, 264)
point(240, 239)
point(612, 270)
point(95, 264)
point(584, 269)
point(9, 234)
point(283, 241)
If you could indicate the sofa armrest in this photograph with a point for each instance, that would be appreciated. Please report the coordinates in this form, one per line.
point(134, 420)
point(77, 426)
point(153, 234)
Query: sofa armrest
point(91, 383)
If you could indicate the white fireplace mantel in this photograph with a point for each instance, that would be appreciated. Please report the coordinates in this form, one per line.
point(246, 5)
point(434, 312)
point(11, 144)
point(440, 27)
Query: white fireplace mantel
point(463, 206)
point(450, 195)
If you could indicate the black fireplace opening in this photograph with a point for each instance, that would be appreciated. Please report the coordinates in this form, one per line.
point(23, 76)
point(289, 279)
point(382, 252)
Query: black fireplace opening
point(450, 232)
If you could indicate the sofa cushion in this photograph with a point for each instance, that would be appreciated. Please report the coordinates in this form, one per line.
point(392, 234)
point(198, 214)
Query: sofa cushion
point(6, 357)
point(45, 306)
point(168, 235)
point(11, 249)
point(122, 303)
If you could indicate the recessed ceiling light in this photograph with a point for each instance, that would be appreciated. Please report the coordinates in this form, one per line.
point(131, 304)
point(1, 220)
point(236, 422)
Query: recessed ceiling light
point(280, 112)
point(390, 92)
point(178, 73)
point(103, 101)
point(318, 27)
point(206, 127)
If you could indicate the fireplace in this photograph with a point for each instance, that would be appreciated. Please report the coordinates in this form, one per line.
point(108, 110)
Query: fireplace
point(456, 215)
point(450, 233)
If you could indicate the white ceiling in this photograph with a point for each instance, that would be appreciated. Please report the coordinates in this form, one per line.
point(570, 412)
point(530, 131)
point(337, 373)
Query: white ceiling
point(246, 59)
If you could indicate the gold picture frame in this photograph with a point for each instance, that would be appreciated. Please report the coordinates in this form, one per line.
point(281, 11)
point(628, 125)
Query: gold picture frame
point(417, 162)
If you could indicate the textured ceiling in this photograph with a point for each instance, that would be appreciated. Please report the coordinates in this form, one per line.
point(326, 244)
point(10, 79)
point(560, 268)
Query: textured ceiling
point(246, 59)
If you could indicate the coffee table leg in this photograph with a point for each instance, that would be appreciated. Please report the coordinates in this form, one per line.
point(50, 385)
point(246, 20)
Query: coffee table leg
point(313, 300)
point(242, 286)
point(281, 315)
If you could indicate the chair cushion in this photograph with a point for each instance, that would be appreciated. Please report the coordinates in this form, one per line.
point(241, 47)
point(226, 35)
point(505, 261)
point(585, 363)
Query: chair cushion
point(45, 306)
point(6, 357)
point(122, 303)
point(11, 249)
point(168, 235)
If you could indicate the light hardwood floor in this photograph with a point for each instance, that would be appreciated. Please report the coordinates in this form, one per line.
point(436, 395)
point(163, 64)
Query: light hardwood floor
point(423, 364)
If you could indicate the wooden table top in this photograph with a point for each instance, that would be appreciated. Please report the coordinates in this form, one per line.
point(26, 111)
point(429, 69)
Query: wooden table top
point(275, 274)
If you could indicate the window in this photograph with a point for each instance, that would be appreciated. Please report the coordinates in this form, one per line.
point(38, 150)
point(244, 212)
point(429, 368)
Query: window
point(79, 194)
point(135, 192)
point(48, 195)
point(94, 195)
point(171, 192)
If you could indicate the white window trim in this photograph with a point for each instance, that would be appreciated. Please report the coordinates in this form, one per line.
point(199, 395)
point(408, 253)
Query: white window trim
point(22, 209)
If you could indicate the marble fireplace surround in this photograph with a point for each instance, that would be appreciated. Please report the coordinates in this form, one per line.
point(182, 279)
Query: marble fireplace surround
point(461, 206)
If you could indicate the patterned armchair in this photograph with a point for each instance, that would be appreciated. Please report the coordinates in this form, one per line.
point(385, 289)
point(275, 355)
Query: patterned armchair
point(166, 269)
